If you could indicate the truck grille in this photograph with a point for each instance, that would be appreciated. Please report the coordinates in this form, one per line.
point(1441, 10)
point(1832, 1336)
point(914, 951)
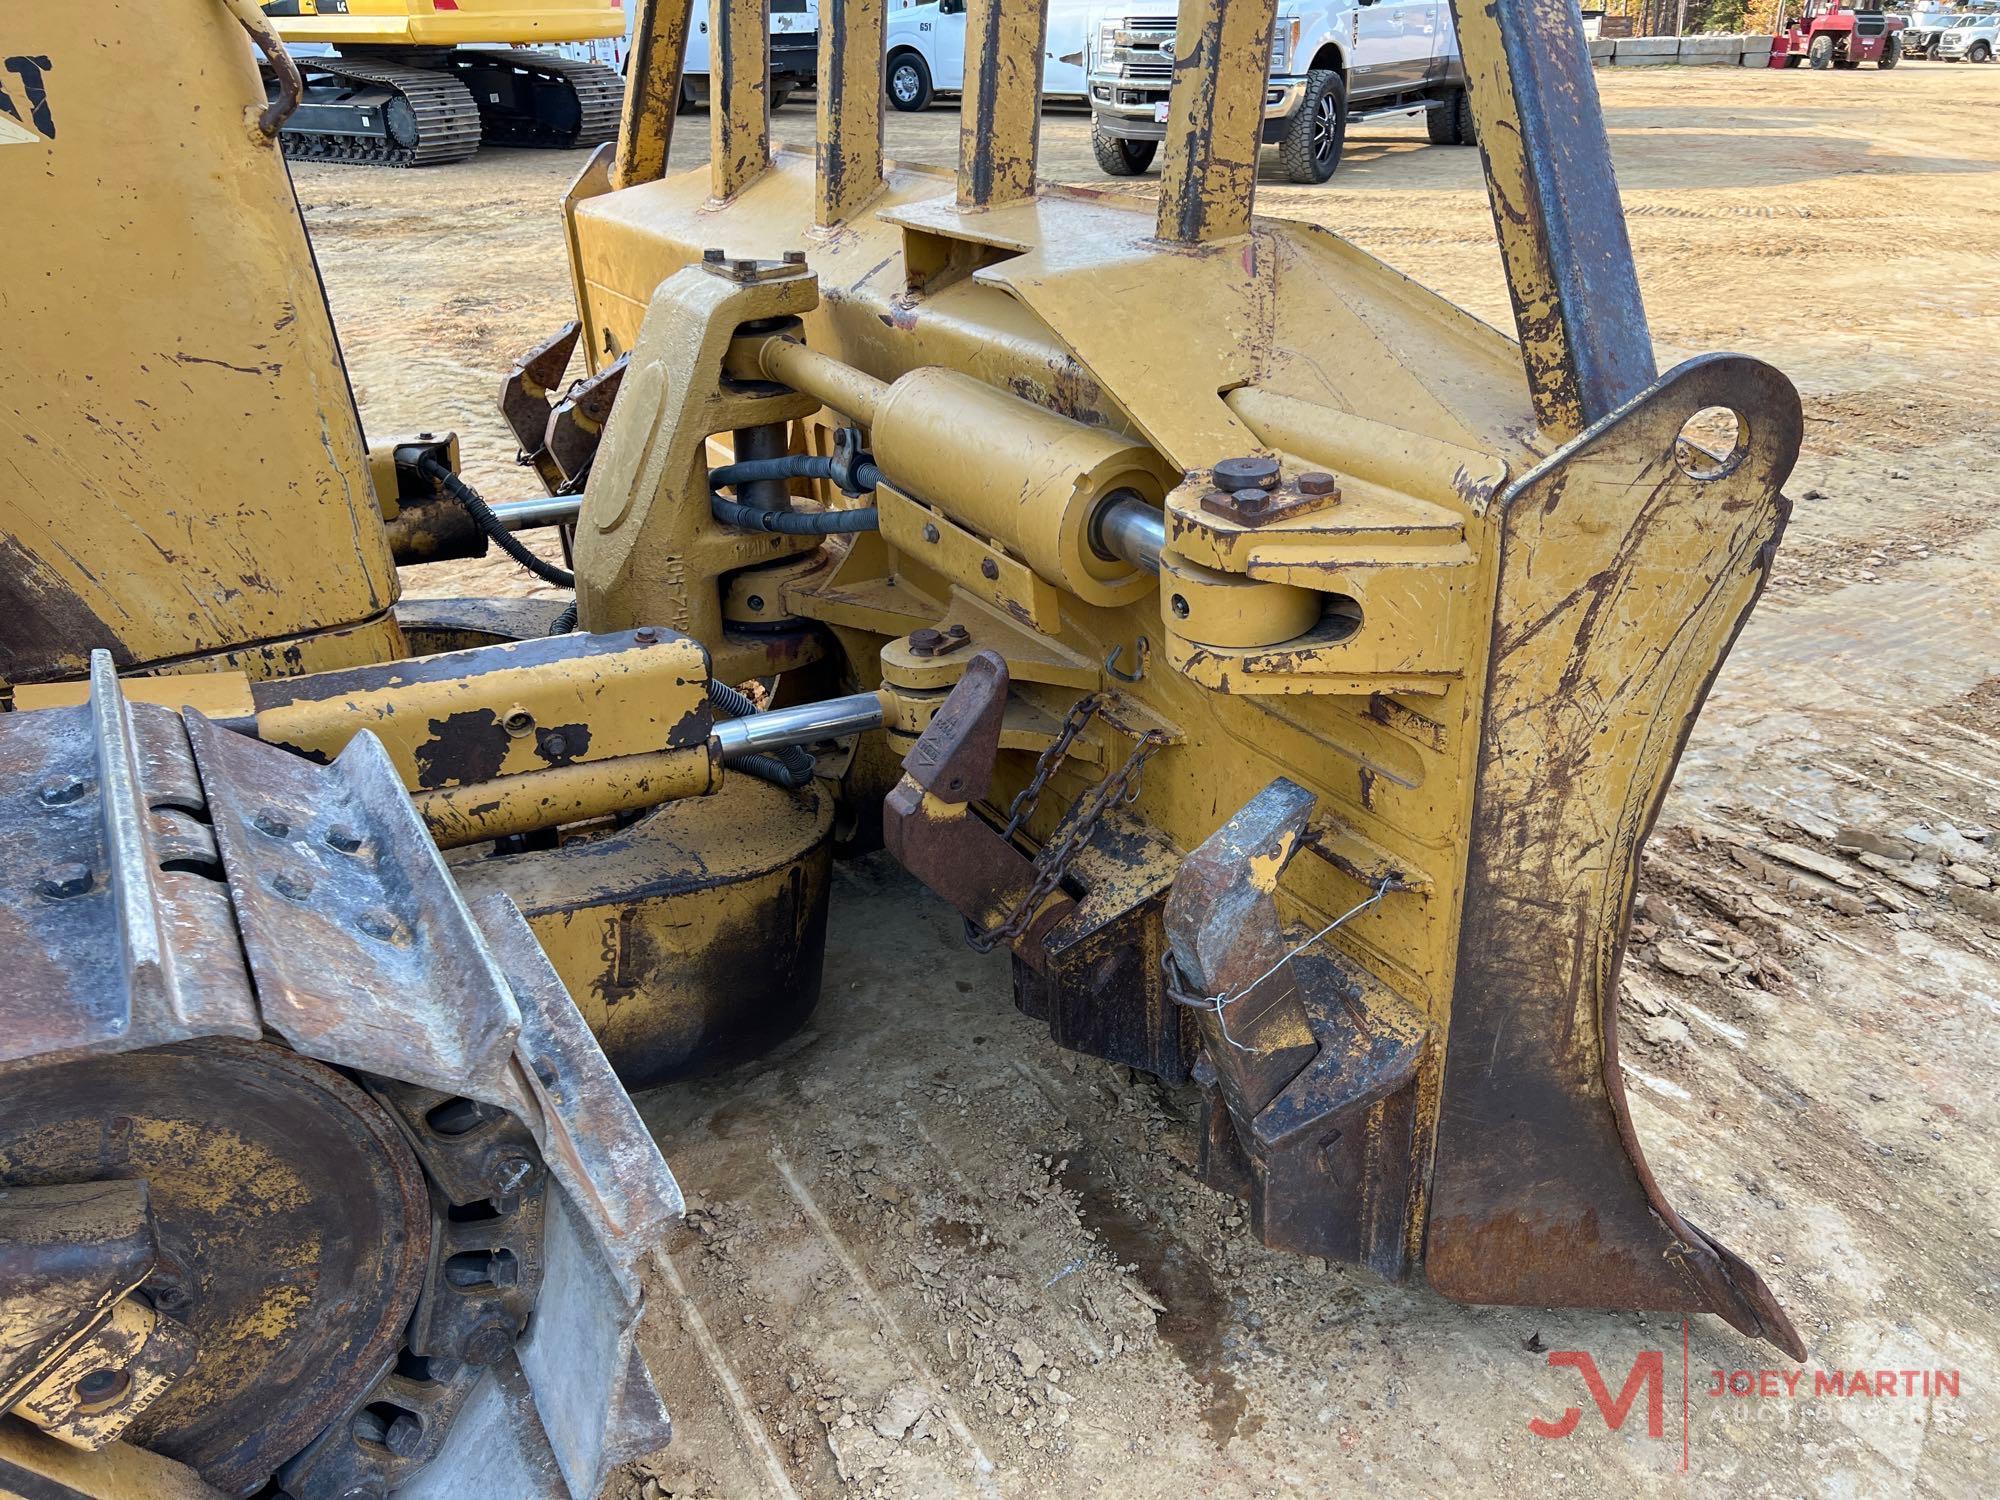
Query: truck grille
point(1870, 23)
point(1140, 72)
point(1150, 23)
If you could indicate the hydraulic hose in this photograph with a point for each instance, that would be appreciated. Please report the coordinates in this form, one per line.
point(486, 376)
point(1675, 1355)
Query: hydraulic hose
point(492, 525)
point(853, 477)
point(789, 766)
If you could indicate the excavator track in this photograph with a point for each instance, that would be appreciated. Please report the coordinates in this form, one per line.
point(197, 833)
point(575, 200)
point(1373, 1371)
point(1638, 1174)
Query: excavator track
point(378, 114)
point(529, 98)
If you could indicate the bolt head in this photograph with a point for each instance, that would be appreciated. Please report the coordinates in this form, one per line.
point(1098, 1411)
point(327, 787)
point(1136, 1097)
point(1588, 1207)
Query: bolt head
point(404, 1437)
point(70, 878)
point(379, 925)
point(271, 824)
point(293, 885)
point(795, 257)
point(925, 642)
point(100, 1385)
point(1250, 472)
point(1251, 499)
point(508, 1170)
point(1316, 483)
point(930, 532)
point(342, 839)
point(645, 635)
point(64, 790)
point(555, 746)
point(713, 256)
point(988, 568)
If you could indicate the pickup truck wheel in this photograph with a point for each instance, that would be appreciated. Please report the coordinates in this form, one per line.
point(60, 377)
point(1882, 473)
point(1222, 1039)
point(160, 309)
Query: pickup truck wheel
point(1820, 53)
point(1121, 158)
point(1468, 132)
point(1979, 52)
point(1311, 148)
point(1892, 52)
point(1441, 121)
point(1450, 123)
point(909, 82)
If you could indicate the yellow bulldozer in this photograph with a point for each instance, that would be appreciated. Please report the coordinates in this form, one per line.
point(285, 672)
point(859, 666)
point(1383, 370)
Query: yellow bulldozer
point(418, 83)
point(1282, 666)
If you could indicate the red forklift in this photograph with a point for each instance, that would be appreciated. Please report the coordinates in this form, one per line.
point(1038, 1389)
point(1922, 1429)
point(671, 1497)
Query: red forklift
point(1839, 34)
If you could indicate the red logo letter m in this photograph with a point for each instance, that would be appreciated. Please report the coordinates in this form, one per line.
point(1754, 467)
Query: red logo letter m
point(1649, 1370)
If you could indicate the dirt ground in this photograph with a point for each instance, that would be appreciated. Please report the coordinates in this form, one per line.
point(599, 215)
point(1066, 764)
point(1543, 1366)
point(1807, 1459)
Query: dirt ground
point(928, 1254)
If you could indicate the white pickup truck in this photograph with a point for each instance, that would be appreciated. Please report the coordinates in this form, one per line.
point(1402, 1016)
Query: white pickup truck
point(1331, 61)
point(926, 52)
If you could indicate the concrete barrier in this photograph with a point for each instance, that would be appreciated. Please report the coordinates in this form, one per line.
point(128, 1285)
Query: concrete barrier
point(1646, 51)
point(1730, 51)
point(1711, 51)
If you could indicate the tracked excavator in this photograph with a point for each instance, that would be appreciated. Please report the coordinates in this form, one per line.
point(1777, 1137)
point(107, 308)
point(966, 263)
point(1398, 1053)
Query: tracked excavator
point(1281, 666)
point(418, 83)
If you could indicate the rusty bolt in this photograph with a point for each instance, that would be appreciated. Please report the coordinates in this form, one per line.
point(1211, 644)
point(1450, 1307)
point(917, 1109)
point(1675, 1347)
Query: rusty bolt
point(713, 256)
point(556, 746)
point(64, 790)
point(342, 839)
point(645, 635)
point(743, 270)
point(271, 824)
point(404, 1437)
point(70, 878)
point(928, 642)
point(930, 532)
point(167, 1292)
point(1251, 500)
point(795, 257)
point(379, 925)
point(988, 568)
point(508, 1170)
point(1316, 483)
point(1251, 472)
point(100, 1388)
point(488, 1344)
point(293, 885)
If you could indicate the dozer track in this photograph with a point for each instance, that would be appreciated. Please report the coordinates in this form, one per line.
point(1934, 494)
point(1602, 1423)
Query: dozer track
point(529, 98)
point(380, 114)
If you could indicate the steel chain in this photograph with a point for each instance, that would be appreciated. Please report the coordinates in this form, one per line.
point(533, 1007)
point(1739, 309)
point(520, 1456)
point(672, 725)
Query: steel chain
point(1052, 862)
point(1023, 806)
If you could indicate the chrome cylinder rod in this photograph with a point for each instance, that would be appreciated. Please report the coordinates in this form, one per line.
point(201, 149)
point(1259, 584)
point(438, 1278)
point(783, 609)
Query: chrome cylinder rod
point(1132, 531)
point(526, 515)
point(800, 725)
